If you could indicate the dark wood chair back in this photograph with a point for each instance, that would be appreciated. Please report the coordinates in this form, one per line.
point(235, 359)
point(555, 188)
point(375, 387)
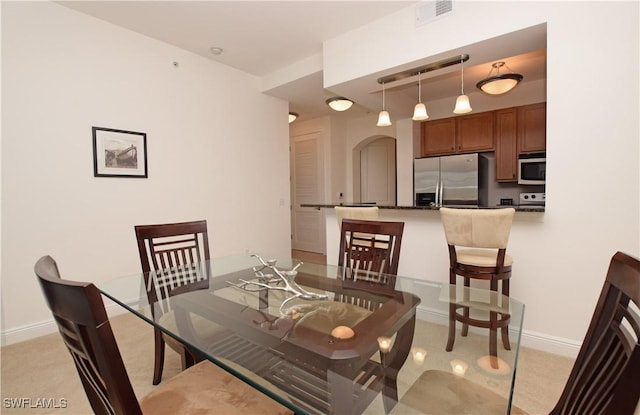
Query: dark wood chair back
point(172, 256)
point(79, 312)
point(370, 250)
point(605, 378)
point(168, 254)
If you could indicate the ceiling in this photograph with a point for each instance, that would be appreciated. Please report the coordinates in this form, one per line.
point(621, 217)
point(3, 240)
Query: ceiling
point(260, 37)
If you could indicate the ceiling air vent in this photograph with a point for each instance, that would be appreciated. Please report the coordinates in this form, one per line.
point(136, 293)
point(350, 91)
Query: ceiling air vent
point(427, 11)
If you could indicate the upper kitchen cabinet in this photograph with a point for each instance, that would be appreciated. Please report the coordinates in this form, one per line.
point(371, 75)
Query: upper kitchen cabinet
point(506, 145)
point(438, 137)
point(464, 134)
point(532, 128)
point(519, 130)
point(474, 132)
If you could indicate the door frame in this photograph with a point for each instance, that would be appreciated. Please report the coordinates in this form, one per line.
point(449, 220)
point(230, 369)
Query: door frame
point(320, 246)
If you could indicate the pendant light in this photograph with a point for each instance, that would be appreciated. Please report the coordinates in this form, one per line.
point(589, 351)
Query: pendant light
point(499, 84)
point(420, 110)
point(462, 103)
point(383, 118)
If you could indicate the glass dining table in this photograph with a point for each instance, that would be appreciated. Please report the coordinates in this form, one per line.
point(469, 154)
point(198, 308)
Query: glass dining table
point(317, 342)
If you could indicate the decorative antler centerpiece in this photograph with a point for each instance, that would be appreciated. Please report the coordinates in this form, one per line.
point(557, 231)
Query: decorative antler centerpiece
point(281, 281)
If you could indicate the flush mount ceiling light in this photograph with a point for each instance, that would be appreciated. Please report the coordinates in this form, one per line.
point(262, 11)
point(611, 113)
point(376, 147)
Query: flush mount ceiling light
point(339, 103)
point(462, 102)
point(383, 118)
point(420, 110)
point(499, 84)
point(292, 117)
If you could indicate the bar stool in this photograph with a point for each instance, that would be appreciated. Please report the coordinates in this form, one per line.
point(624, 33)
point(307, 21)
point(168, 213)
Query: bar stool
point(484, 234)
point(359, 213)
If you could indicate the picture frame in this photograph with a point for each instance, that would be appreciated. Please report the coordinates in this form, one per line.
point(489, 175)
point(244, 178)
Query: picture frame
point(119, 153)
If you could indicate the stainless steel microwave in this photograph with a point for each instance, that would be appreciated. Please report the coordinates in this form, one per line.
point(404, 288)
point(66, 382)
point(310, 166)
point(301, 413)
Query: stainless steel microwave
point(532, 169)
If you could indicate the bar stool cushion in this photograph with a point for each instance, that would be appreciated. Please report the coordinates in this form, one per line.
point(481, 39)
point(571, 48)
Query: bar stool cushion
point(359, 213)
point(481, 257)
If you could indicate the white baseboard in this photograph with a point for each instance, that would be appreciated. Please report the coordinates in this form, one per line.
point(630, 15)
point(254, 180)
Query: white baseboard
point(538, 341)
point(29, 332)
point(43, 328)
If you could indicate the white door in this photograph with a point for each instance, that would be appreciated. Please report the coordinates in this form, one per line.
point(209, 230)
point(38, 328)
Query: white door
point(307, 224)
point(378, 172)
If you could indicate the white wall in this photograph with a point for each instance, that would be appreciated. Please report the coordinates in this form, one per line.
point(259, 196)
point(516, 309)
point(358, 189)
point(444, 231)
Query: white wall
point(64, 72)
point(593, 187)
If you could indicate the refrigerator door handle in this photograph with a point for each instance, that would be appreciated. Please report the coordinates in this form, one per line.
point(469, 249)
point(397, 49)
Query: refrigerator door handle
point(437, 195)
point(441, 191)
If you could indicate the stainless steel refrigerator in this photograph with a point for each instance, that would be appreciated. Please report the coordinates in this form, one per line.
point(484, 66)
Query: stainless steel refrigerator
point(446, 180)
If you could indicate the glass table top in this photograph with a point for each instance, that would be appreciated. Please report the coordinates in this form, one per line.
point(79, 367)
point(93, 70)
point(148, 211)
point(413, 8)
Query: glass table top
point(318, 343)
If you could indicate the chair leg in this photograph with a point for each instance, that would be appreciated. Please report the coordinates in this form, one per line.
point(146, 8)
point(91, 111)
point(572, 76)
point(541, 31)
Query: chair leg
point(465, 311)
point(505, 338)
point(493, 340)
point(452, 327)
point(158, 365)
point(452, 313)
point(187, 358)
point(505, 330)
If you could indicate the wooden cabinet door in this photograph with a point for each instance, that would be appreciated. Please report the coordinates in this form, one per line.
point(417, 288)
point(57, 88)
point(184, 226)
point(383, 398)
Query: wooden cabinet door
point(438, 137)
point(474, 132)
point(532, 128)
point(506, 145)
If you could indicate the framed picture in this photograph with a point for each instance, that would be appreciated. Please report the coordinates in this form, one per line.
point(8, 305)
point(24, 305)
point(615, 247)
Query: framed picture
point(119, 153)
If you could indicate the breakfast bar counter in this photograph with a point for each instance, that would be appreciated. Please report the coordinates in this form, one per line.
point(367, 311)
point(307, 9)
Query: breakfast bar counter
point(518, 208)
point(424, 247)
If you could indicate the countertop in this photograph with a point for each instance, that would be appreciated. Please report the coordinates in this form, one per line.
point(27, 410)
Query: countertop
point(518, 208)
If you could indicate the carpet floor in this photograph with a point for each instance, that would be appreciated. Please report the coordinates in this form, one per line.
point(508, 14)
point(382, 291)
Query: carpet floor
point(42, 369)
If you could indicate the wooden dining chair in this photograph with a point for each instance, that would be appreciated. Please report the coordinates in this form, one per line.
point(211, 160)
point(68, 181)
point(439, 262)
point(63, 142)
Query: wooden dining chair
point(168, 254)
point(477, 244)
point(605, 378)
point(370, 250)
point(79, 312)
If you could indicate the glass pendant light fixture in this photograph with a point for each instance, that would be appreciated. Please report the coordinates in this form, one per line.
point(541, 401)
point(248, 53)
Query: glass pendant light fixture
point(292, 117)
point(462, 103)
point(339, 103)
point(420, 110)
point(499, 84)
point(383, 118)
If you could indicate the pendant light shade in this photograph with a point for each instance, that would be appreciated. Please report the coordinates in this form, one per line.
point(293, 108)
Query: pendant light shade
point(499, 84)
point(339, 103)
point(383, 118)
point(420, 110)
point(292, 117)
point(462, 103)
